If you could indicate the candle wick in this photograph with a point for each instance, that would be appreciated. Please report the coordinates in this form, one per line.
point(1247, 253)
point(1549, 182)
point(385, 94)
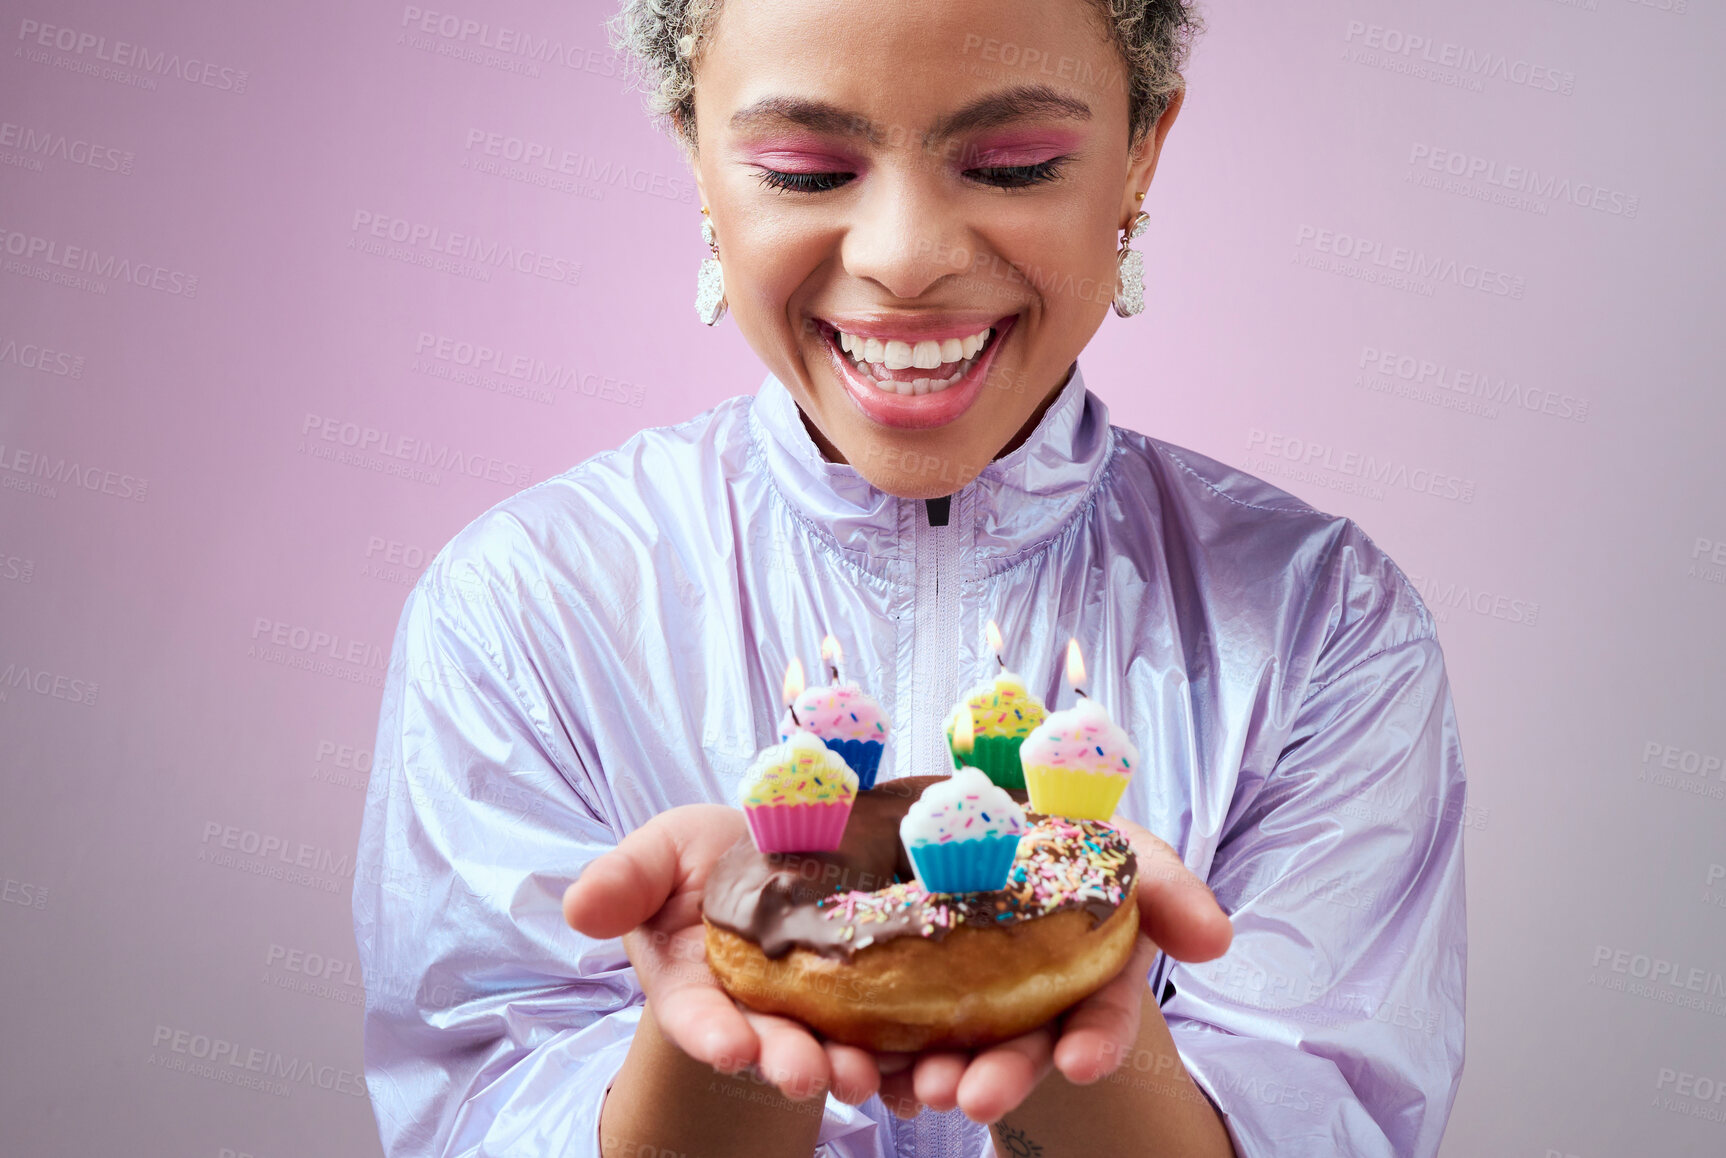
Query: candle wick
point(1000, 661)
point(1080, 692)
point(833, 672)
point(795, 722)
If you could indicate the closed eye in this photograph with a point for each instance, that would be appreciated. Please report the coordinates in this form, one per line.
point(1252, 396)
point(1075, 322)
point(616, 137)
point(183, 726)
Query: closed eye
point(804, 182)
point(1018, 176)
point(1000, 176)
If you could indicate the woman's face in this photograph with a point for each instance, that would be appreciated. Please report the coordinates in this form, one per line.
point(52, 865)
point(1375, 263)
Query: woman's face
point(917, 208)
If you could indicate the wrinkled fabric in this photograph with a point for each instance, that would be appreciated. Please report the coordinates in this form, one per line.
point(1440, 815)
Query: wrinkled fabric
point(609, 644)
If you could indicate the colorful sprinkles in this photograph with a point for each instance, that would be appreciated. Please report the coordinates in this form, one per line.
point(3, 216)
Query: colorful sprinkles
point(813, 775)
point(1083, 741)
point(1061, 863)
point(839, 712)
point(1003, 709)
point(958, 820)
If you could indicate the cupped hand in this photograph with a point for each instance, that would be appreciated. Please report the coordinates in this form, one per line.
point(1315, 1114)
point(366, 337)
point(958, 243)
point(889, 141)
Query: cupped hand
point(1177, 914)
point(648, 891)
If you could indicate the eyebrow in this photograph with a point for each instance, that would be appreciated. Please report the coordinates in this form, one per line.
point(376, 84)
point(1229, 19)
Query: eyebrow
point(810, 114)
point(1004, 107)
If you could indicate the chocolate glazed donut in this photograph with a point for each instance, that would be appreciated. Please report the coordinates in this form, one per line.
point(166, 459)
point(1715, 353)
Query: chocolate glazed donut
point(848, 944)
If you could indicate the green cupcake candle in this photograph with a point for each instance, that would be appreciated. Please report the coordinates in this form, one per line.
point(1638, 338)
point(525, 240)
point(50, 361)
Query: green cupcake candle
point(1003, 711)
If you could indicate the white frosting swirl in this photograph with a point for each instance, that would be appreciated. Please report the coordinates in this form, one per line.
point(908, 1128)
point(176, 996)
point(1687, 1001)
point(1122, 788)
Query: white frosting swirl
point(964, 806)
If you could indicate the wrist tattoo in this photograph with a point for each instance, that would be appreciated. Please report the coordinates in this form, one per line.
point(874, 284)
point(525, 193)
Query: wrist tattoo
point(1016, 1143)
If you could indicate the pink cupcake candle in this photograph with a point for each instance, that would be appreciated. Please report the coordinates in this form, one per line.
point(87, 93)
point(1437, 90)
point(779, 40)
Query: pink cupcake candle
point(797, 796)
point(841, 715)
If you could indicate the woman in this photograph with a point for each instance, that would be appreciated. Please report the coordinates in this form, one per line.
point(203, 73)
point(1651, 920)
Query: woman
point(918, 217)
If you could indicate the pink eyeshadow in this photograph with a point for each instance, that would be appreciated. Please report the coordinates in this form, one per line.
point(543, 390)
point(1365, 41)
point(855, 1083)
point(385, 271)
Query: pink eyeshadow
point(791, 159)
point(1019, 149)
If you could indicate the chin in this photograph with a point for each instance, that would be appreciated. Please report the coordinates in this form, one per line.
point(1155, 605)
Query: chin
point(915, 488)
point(910, 473)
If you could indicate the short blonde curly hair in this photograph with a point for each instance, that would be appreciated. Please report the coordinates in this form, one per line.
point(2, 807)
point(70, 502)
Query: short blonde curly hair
point(664, 36)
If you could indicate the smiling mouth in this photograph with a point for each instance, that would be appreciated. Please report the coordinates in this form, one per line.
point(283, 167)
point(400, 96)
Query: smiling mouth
point(909, 366)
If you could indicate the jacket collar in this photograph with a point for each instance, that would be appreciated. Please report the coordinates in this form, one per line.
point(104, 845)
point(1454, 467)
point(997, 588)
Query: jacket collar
point(1018, 501)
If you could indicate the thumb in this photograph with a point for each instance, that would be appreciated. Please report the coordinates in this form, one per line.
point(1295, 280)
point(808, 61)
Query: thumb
point(670, 854)
point(1177, 910)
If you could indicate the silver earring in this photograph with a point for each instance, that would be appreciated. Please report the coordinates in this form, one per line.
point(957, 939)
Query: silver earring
point(710, 279)
point(1130, 269)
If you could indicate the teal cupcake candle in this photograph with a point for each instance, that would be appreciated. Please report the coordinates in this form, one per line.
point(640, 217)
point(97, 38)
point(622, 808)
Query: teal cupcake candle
point(963, 834)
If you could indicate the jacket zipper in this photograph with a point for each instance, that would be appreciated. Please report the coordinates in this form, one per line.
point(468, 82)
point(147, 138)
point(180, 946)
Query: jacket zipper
point(937, 640)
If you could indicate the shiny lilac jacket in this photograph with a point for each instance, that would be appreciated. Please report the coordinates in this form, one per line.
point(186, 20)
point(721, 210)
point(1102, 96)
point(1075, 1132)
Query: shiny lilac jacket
point(609, 643)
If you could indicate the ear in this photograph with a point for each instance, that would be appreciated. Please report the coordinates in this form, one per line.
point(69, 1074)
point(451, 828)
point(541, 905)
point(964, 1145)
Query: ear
point(1142, 163)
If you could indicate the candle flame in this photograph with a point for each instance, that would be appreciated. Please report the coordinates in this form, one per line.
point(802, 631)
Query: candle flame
point(793, 681)
point(964, 731)
point(831, 651)
point(1075, 665)
point(994, 634)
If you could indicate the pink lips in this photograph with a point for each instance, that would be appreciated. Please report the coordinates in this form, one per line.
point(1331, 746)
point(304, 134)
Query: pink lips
point(919, 411)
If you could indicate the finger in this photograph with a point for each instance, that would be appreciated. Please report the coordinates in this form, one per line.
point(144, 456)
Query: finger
point(704, 1023)
point(672, 852)
point(790, 1057)
point(855, 1076)
point(899, 1095)
point(935, 1078)
point(1176, 909)
point(1099, 1031)
point(1001, 1077)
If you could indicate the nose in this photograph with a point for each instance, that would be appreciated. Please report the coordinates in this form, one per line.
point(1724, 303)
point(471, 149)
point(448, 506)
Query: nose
point(907, 233)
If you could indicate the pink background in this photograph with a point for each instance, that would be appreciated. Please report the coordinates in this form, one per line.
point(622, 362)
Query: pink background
point(197, 599)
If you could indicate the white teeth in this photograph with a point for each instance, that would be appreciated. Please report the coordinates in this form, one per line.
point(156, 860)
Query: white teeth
point(899, 354)
point(922, 385)
point(875, 357)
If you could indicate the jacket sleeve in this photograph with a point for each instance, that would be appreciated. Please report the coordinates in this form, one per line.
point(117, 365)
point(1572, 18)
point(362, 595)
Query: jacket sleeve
point(1333, 1026)
point(491, 1027)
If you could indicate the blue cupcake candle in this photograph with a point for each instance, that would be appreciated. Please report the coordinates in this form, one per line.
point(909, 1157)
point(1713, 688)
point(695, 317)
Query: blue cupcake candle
point(840, 715)
point(963, 834)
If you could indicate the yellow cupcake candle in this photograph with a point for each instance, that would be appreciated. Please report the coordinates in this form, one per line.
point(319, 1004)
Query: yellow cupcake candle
point(1078, 761)
point(1003, 712)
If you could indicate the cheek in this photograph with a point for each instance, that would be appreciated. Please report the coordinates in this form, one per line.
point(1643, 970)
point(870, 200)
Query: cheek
point(767, 263)
point(1067, 271)
point(1059, 248)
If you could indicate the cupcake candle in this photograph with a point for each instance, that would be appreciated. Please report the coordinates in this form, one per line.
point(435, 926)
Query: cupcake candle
point(797, 796)
point(1003, 711)
point(840, 715)
point(1078, 761)
point(963, 834)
